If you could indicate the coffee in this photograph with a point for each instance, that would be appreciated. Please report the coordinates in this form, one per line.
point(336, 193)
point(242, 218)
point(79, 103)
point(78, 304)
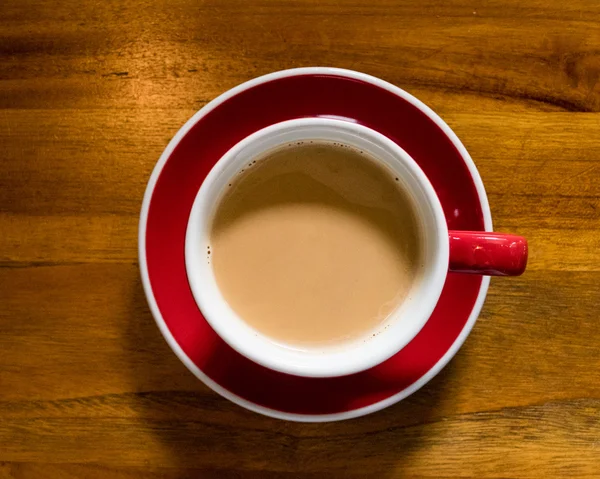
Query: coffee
point(314, 242)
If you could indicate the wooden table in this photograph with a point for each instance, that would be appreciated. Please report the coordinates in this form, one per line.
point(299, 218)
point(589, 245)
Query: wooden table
point(90, 94)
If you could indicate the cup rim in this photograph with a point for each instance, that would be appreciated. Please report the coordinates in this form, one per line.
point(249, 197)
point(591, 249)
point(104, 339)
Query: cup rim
point(252, 344)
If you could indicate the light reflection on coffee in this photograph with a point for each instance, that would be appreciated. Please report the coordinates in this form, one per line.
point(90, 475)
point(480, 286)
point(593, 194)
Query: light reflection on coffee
point(314, 243)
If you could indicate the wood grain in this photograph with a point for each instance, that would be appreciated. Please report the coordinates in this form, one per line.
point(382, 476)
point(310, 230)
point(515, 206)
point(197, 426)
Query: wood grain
point(90, 94)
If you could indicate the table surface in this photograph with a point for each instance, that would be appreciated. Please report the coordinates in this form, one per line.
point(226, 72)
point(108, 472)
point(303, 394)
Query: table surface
point(90, 94)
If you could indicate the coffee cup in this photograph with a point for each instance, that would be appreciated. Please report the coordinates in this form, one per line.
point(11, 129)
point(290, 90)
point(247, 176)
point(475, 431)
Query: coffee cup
point(441, 252)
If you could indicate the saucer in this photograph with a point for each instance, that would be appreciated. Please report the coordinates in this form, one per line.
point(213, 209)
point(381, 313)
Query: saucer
point(171, 190)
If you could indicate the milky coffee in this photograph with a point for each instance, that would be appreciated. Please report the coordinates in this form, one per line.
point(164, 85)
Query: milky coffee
point(314, 242)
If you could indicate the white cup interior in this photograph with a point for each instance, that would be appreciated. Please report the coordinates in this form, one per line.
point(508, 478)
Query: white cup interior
point(336, 359)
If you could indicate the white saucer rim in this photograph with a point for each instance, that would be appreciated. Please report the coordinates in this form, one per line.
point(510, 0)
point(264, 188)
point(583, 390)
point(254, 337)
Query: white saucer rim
point(431, 373)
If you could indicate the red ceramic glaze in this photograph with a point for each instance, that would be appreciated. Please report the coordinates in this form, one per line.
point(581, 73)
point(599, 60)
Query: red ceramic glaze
point(494, 254)
point(163, 234)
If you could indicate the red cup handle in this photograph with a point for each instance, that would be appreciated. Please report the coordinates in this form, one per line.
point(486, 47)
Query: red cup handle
point(481, 252)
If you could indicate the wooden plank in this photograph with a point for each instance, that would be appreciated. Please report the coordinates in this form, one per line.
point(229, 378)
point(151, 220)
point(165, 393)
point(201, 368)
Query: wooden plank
point(548, 160)
point(463, 446)
point(85, 331)
point(479, 57)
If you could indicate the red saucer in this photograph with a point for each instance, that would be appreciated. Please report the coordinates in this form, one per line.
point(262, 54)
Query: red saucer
point(186, 162)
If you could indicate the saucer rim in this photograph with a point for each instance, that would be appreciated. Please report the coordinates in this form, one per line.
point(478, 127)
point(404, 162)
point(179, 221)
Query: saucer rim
point(425, 378)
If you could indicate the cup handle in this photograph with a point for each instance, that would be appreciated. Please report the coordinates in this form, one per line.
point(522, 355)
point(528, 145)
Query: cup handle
point(482, 252)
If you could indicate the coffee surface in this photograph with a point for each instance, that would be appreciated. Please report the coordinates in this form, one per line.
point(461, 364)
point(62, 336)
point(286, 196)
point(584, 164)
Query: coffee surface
point(314, 243)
